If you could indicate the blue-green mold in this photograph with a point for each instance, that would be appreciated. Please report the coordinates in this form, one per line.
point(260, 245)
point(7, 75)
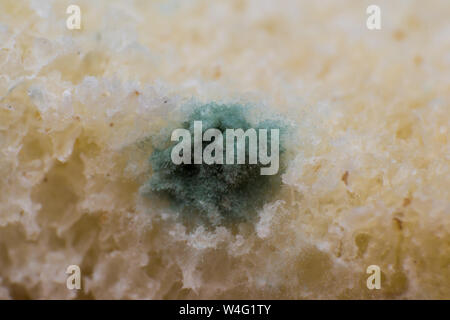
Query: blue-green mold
point(230, 192)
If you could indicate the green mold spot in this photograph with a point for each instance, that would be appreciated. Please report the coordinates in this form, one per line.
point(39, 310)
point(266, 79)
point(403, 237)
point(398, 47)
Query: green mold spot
point(215, 193)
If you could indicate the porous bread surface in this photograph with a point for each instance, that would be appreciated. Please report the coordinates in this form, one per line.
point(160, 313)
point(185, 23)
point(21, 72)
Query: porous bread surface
point(368, 181)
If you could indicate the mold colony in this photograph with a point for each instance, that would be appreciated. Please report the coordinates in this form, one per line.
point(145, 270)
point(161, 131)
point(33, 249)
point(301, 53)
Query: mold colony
point(218, 191)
